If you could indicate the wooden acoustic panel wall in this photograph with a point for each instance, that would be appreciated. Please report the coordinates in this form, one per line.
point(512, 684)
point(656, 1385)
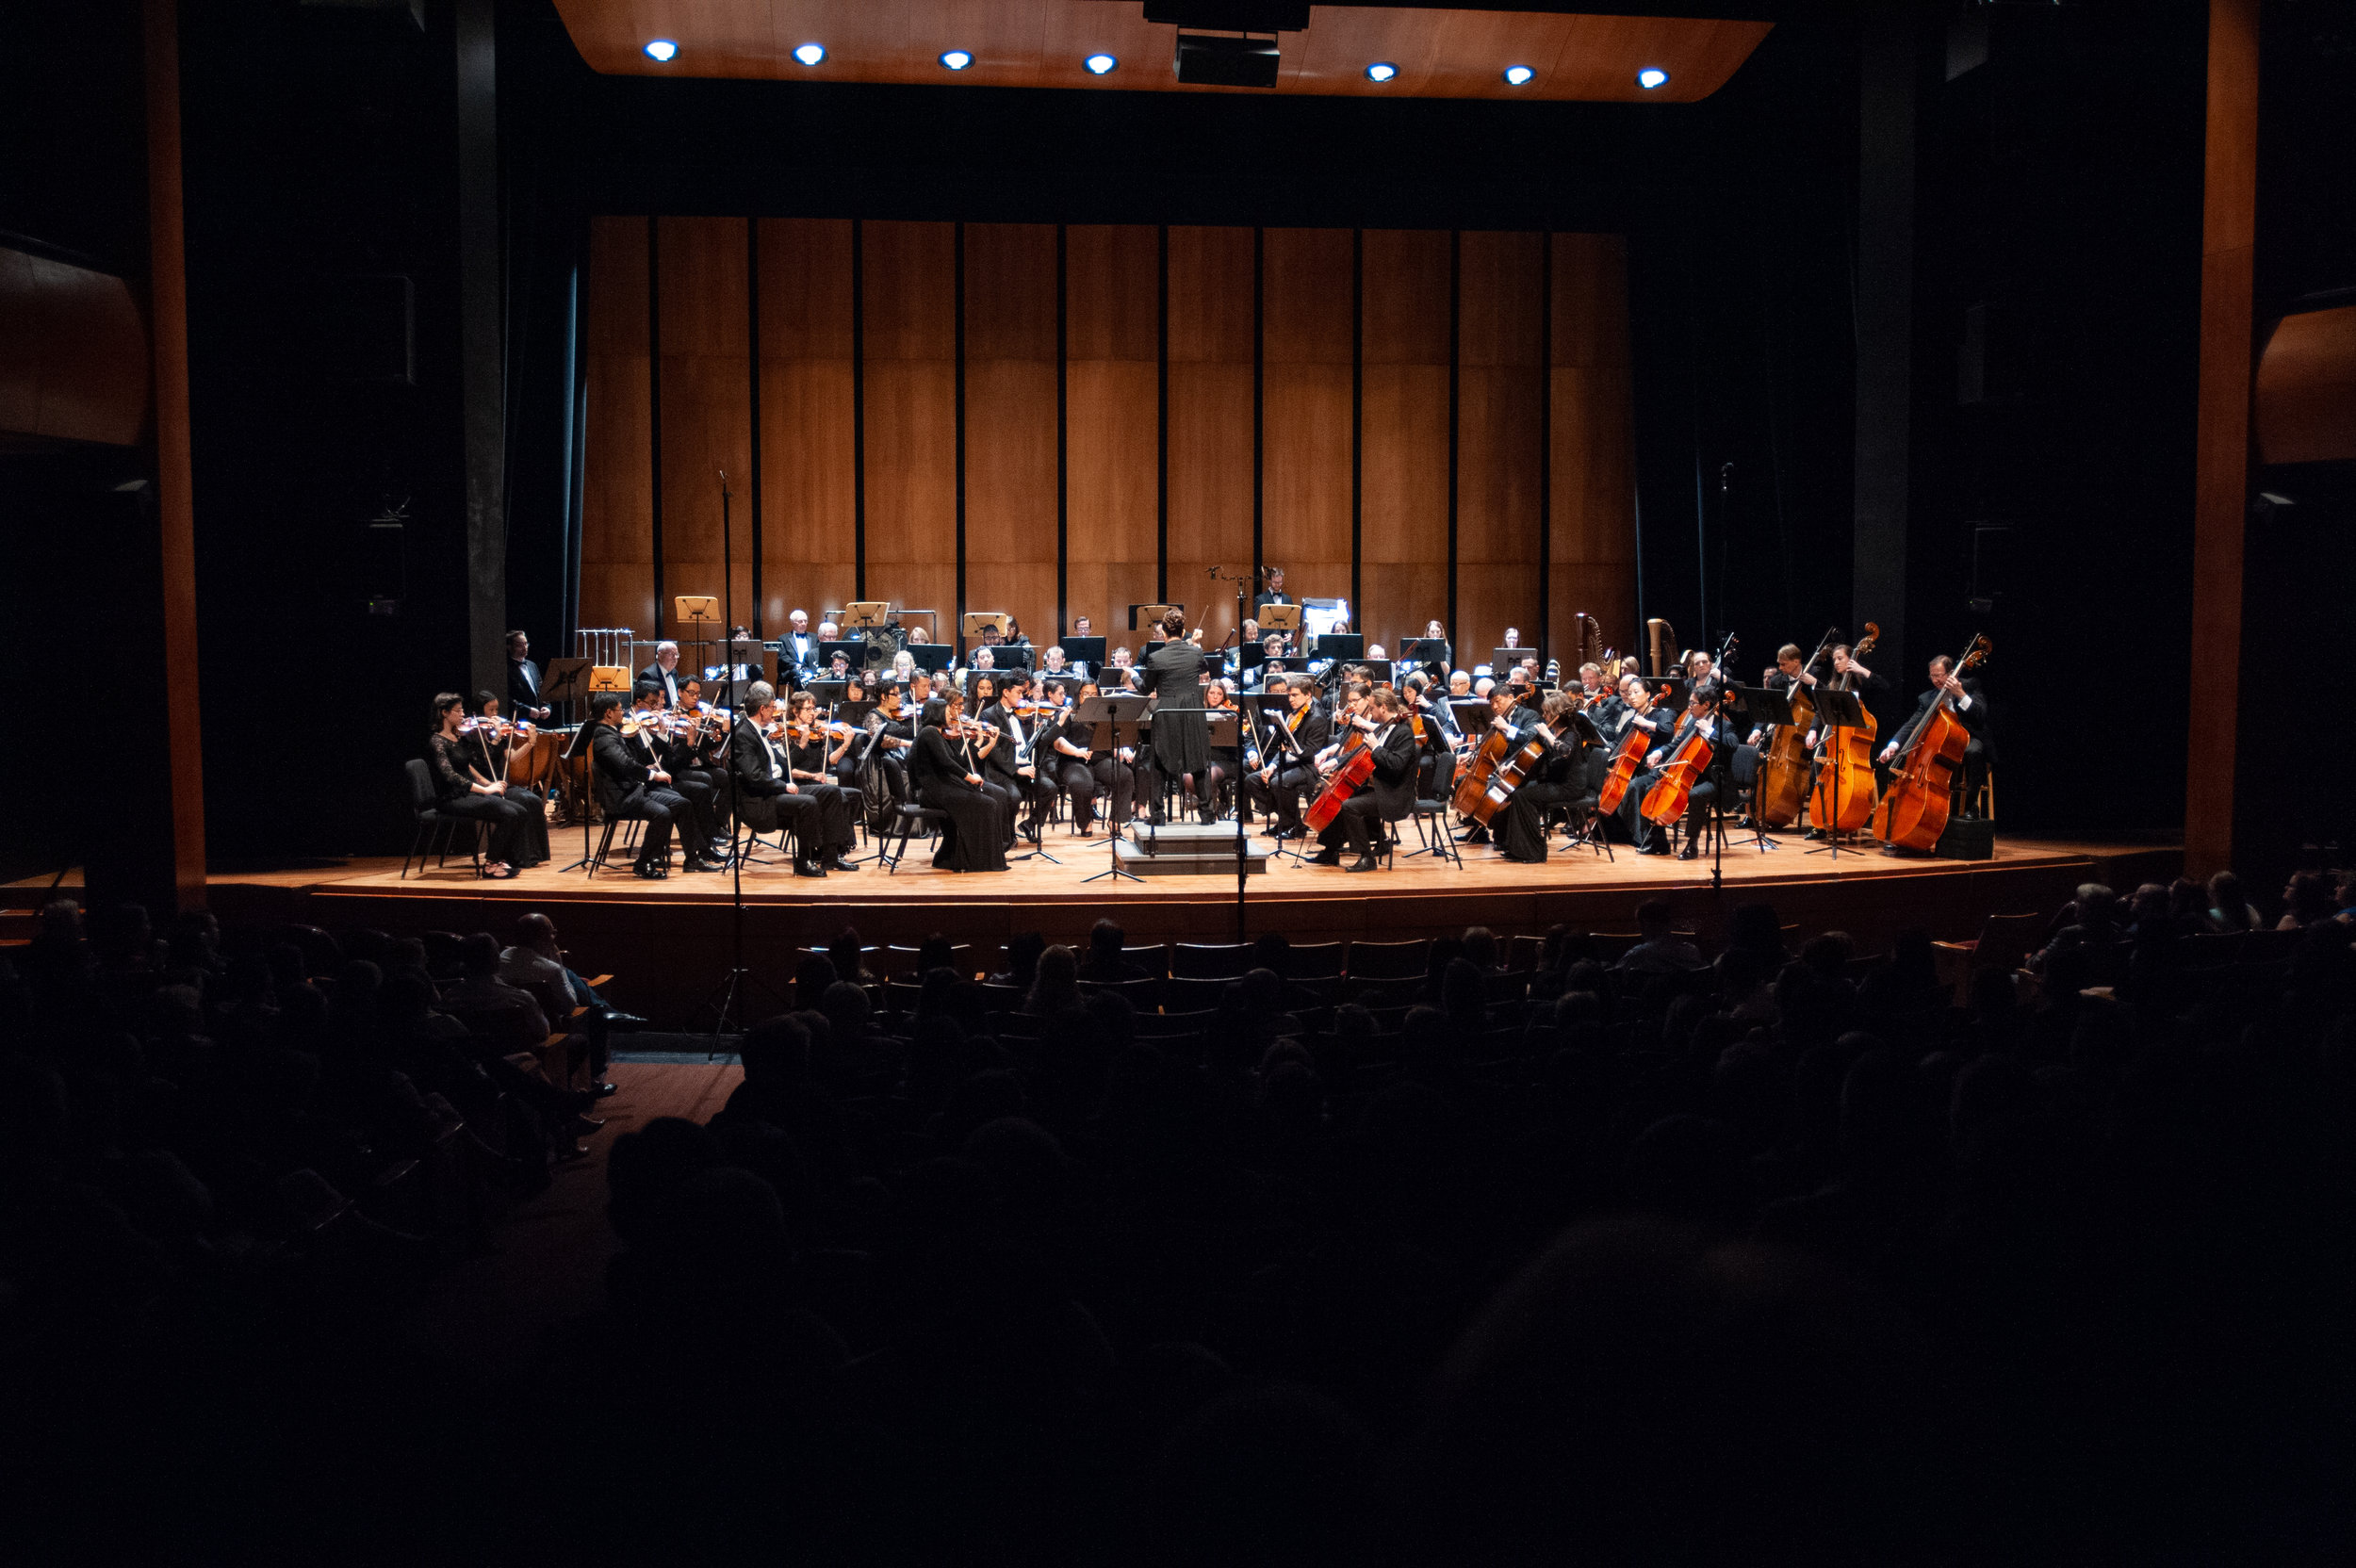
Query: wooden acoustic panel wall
point(808, 517)
point(1377, 354)
point(1112, 355)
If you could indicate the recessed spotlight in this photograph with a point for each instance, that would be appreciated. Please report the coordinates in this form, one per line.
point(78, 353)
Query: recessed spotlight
point(659, 50)
point(1652, 76)
point(1098, 64)
point(1382, 71)
point(956, 59)
point(810, 54)
point(1516, 74)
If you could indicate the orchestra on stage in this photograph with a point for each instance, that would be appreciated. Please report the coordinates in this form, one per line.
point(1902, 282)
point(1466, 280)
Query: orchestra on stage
point(1297, 727)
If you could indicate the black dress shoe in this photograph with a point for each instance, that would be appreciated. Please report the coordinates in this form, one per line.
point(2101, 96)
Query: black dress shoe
point(1478, 835)
point(1295, 831)
point(568, 1151)
point(805, 868)
point(694, 864)
point(836, 863)
point(1368, 861)
point(1326, 857)
point(601, 1089)
point(616, 1019)
point(649, 871)
point(1688, 853)
point(1655, 849)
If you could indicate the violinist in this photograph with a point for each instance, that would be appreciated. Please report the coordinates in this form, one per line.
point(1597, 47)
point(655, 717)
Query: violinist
point(1561, 776)
point(632, 783)
point(493, 761)
point(1966, 701)
point(460, 793)
point(1510, 717)
point(670, 741)
point(1110, 767)
point(893, 722)
point(1595, 693)
point(1226, 762)
point(1386, 797)
point(1701, 718)
point(947, 780)
point(1018, 757)
point(814, 754)
point(768, 798)
point(987, 746)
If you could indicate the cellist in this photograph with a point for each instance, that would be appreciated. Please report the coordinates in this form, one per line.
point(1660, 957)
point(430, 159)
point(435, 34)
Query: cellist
point(1388, 795)
point(1701, 716)
point(1560, 777)
point(1510, 717)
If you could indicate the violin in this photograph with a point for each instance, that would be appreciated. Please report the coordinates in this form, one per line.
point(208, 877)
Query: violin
point(497, 728)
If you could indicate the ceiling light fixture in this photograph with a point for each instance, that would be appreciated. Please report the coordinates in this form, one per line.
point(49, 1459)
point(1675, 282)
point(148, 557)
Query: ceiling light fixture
point(659, 50)
point(1382, 71)
point(1652, 76)
point(810, 54)
point(1098, 64)
point(1516, 74)
point(956, 59)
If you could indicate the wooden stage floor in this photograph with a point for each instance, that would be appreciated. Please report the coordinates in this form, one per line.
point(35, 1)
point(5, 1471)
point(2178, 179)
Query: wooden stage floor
point(669, 942)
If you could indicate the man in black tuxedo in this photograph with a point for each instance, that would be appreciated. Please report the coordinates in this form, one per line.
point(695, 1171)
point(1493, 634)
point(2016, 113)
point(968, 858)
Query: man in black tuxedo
point(523, 681)
point(1702, 717)
point(1273, 594)
point(1288, 765)
point(632, 784)
point(664, 671)
point(1969, 705)
point(1386, 797)
point(767, 797)
point(798, 648)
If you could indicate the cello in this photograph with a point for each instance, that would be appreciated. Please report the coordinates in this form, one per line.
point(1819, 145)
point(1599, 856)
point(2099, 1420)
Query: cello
point(1783, 766)
point(1665, 802)
point(1353, 766)
point(1845, 776)
point(1914, 812)
point(1625, 764)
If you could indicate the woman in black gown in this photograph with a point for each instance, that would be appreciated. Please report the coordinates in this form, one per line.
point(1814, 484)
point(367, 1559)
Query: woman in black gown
point(946, 780)
point(1182, 736)
point(1562, 776)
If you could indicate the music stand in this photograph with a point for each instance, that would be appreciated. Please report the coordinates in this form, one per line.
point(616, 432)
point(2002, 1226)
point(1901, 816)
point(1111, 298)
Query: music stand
point(1279, 617)
point(1114, 718)
point(581, 746)
point(1088, 651)
point(1343, 647)
point(564, 681)
point(1152, 615)
point(698, 611)
point(1764, 706)
point(863, 613)
point(1427, 651)
point(1836, 710)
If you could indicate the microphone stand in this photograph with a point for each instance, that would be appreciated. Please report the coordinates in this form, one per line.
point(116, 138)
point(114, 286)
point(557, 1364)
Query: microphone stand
point(728, 994)
point(1243, 865)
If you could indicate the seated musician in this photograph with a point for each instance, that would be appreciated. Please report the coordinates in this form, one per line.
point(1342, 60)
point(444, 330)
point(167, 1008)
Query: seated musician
point(1388, 796)
point(1015, 761)
point(1701, 717)
point(633, 783)
point(1289, 765)
point(1511, 716)
point(1226, 761)
point(761, 768)
point(1969, 706)
point(1561, 777)
point(1460, 685)
point(945, 771)
point(1109, 767)
point(1436, 738)
point(993, 755)
point(492, 761)
point(814, 756)
point(698, 757)
point(1594, 691)
point(458, 792)
point(1052, 663)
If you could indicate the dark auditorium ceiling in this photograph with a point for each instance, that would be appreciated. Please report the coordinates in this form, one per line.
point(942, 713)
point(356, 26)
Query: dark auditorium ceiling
point(1437, 52)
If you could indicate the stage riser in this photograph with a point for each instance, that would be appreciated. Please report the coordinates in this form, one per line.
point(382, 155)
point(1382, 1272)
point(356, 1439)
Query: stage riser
point(667, 953)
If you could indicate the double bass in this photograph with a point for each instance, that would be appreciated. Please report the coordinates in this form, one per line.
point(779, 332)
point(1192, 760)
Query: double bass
point(1844, 776)
point(1783, 766)
point(1913, 813)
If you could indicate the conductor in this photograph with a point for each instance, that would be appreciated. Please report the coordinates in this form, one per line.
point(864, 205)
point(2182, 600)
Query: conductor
point(1182, 736)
